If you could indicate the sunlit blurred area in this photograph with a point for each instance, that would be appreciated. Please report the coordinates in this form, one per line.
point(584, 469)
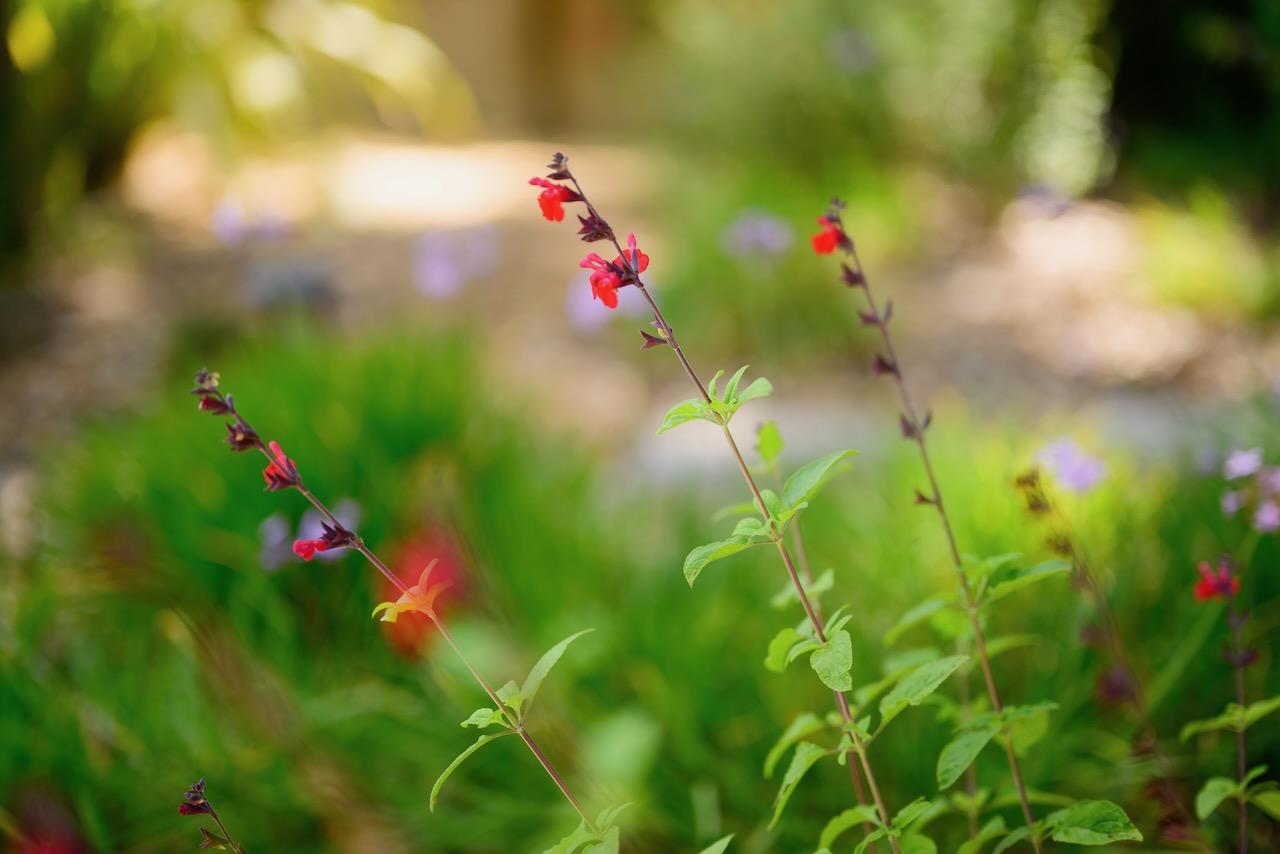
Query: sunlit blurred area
point(1074, 206)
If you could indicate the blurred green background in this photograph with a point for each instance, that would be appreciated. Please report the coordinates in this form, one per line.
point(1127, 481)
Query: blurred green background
point(1074, 204)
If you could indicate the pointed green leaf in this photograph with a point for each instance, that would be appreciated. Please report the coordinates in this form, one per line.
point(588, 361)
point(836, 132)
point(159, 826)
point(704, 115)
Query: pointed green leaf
point(573, 842)
point(719, 846)
point(698, 559)
point(772, 504)
point(1268, 801)
point(510, 696)
point(1092, 823)
point(1004, 643)
point(776, 659)
point(805, 481)
point(759, 387)
point(540, 670)
point(869, 840)
point(1026, 725)
point(211, 840)
point(1232, 719)
point(917, 685)
point(609, 815)
point(864, 814)
point(684, 411)
point(915, 843)
point(769, 442)
point(1214, 792)
point(833, 661)
point(913, 618)
point(462, 757)
point(748, 527)
point(1012, 839)
point(731, 387)
point(482, 718)
point(961, 751)
point(1255, 712)
point(1008, 582)
point(711, 386)
point(607, 844)
point(803, 725)
point(910, 814)
point(802, 760)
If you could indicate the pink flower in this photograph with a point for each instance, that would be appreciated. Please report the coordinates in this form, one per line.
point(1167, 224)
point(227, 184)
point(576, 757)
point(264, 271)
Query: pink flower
point(1242, 464)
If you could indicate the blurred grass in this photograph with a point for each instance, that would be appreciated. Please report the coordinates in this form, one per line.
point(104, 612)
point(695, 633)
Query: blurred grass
point(144, 644)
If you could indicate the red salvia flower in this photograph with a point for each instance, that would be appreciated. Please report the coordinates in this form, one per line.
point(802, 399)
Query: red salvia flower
point(1222, 584)
point(281, 472)
point(552, 198)
point(606, 278)
point(826, 241)
point(637, 260)
point(335, 537)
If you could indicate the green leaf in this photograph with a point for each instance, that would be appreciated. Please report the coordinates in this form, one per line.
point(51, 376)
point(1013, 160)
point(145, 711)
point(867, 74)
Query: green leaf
point(743, 508)
point(805, 481)
point(686, 410)
point(1259, 710)
point(211, 840)
point(865, 814)
point(962, 750)
point(731, 387)
point(573, 842)
point(913, 618)
point(869, 840)
point(533, 681)
point(760, 387)
point(993, 829)
point(711, 386)
point(510, 696)
point(1004, 643)
point(698, 559)
point(772, 504)
point(1236, 718)
point(482, 718)
point(914, 843)
point(1253, 774)
point(1012, 839)
point(917, 685)
point(609, 815)
point(1026, 725)
point(910, 814)
point(802, 760)
point(776, 659)
point(820, 585)
point(1092, 823)
point(462, 757)
point(607, 844)
point(769, 442)
point(1008, 582)
point(1268, 801)
point(719, 846)
point(833, 662)
point(1212, 794)
point(804, 724)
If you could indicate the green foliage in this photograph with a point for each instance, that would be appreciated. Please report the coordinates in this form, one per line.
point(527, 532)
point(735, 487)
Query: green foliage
point(804, 725)
point(992, 829)
point(769, 442)
point(802, 760)
point(962, 750)
point(462, 757)
point(805, 482)
point(1091, 823)
point(719, 846)
point(533, 681)
point(721, 407)
point(916, 686)
point(1214, 792)
point(846, 820)
point(1236, 718)
point(833, 661)
point(704, 555)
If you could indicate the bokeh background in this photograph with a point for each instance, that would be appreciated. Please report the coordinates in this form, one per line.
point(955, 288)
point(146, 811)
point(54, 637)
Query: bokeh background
point(1074, 205)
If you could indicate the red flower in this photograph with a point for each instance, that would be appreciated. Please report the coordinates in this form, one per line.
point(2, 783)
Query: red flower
point(605, 278)
point(280, 473)
point(1214, 585)
point(552, 198)
point(631, 253)
point(826, 241)
point(412, 634)
point(335, 537)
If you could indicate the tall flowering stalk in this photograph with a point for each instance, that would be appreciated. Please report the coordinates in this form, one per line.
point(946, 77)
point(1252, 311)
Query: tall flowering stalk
point(510, 703)
point(827, 643)
point(1222, 582)
point(980, 584)
point(194, 802)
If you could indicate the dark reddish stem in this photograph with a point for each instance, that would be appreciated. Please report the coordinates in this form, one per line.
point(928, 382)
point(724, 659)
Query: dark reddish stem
point(811, 612)
point(1238, 663)
point(517, 724)
point(918, 430)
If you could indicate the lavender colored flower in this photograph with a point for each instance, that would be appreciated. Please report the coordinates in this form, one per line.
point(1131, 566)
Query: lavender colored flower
point(1267, 517)
point(1242, 464)
point(1231, 503)
point(1073, 468)
point(229, 223)
point(444, 261)
point(1269, 480)
point(756, 233)
point(311, 527)
point(273, 535)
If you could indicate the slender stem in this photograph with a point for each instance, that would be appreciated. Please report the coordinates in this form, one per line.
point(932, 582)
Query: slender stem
point(797, 540)
point(1242, 763)
point(918, 436)
point(235, 846)
point(517, 723)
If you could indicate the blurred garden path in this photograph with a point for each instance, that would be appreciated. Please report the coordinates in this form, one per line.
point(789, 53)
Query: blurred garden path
point(1049, 310)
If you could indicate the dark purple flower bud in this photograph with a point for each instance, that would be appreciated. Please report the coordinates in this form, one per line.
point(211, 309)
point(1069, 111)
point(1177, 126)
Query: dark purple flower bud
point(921, 498)
point(1116, 686)
point(882, 366)
point(868, 318)
point(909, 429)
point(594, 228)
point(214, 405)
point(193, 800)
point(242, 437)
point(851, 277)
point(559, 167)
point(651, 340)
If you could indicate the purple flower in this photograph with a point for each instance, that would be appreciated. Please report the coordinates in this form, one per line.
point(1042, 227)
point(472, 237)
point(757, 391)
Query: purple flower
point(1231, 503)
point(1242, 464)
point(1267, 517)
point(229, 224)
point(273, 534)
point(1073, 468)
point(444, 261)
point(756, 233)
point(1269, 480)
point(312, 526)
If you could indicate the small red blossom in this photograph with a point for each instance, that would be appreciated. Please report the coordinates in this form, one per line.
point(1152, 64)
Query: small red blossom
point(335, 537)
point(636, 260)
point(1222, 584)
point(193, 801)
point(826, 240)
point(606, 278)
point(552, 198)
point(281, 472)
